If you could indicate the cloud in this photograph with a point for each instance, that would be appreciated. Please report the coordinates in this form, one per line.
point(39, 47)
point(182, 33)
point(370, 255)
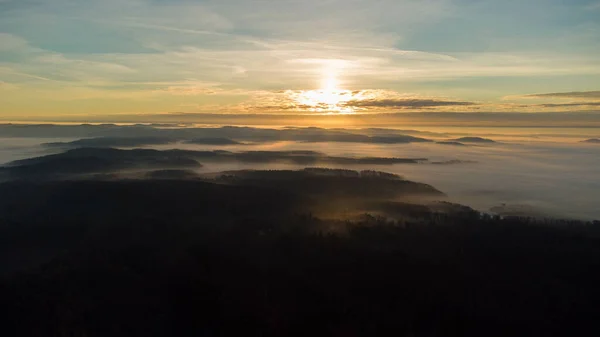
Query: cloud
point(406, 103)
point(574, 94)
point(160, 48)
point(194, 89)
point(560, 105)
point(10, 42)
point(346, 101)
point(7, 86)
point(593, 6)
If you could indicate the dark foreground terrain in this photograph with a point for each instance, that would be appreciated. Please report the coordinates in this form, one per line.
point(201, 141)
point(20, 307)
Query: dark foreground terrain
point(284, 253)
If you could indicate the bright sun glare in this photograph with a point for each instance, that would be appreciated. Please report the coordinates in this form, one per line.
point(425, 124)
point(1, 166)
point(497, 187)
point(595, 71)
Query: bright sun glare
point(328, 98)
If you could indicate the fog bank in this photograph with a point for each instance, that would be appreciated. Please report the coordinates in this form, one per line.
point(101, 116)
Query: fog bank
point(522, 174)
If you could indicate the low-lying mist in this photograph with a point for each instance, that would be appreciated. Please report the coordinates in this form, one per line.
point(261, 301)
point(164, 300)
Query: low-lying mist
point(248, 232)
point(516, 176)
point(526, 178)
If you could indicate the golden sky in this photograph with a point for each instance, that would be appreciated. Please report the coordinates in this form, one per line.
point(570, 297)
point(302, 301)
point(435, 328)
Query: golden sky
point(147, 59)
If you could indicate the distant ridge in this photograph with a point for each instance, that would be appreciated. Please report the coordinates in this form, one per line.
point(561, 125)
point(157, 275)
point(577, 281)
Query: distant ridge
point(213, 141)
point(451, 143)
point(473, 140)
point(105, 160)
point(108, 142)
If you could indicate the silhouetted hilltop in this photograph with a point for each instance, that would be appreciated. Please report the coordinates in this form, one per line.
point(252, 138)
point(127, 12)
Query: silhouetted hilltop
point(180, 196)
point(387, 132)
point(108, 134)
point(328, 172)
point(314, 172)
point(451, 143)
point(114, 142)
point(396, 139)
point(592, 141)
point(473, 140)
point(185, 257)
point(311, 157)
point(172, 174)
point(331, 184)
point(336, 193)
point(213, 141)
point(102, 160)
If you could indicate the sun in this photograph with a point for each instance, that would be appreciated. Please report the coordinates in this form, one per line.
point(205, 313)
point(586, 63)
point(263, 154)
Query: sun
point(330, 83)
point(328, 98)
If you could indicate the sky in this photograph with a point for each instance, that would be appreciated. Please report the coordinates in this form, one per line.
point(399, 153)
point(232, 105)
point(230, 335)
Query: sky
point(146, 60)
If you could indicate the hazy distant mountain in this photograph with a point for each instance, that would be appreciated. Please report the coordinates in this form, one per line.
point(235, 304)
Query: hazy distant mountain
point(452, 162)
point(98, 160)
point(103, 160)
point(115, 135)
point(114, 142)
point(451, 143)
point(473, 140)
point(386, 132)
point(592, 141)
point(213, 141)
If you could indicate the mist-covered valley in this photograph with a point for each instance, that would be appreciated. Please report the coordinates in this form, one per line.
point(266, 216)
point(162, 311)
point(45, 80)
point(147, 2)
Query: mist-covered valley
point(110, 230)
point(510, 174)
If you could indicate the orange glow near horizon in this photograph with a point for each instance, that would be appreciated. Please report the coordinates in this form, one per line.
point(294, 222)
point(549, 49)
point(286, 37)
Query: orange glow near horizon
point(328, 98)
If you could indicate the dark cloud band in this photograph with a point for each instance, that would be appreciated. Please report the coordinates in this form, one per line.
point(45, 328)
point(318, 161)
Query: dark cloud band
point(405, 103)
point(573, 94)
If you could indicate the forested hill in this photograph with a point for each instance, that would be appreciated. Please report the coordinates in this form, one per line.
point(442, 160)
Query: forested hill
point(258, 253)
